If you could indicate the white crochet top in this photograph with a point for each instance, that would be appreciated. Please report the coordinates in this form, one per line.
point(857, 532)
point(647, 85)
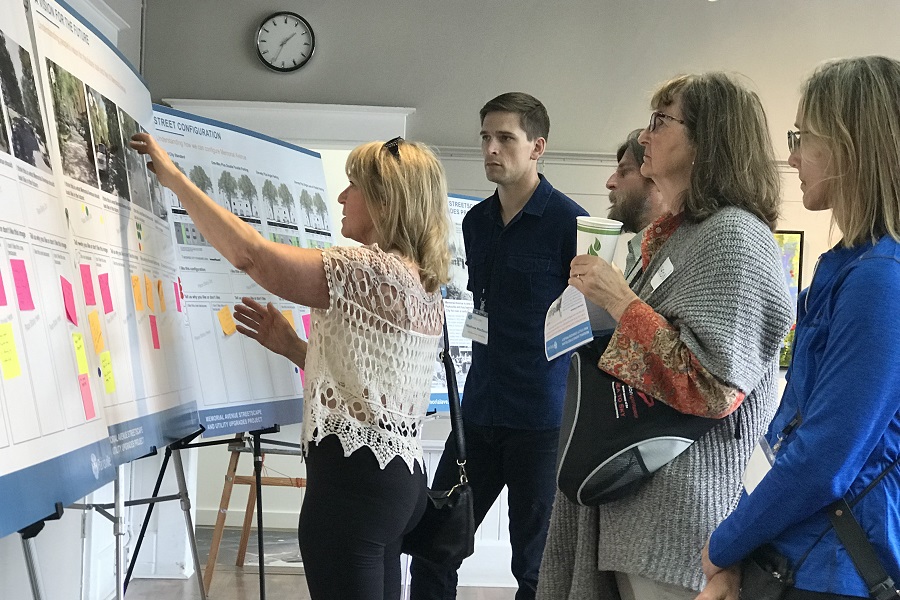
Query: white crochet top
point(371, 355)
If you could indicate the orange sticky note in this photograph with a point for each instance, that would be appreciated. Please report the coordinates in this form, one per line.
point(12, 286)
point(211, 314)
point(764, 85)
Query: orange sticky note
point(9, 354)
point(96, 331)
point(289, 315)
point(87, 398)
point(226, 320)
point(138, 296)
point(162, 296)
point(148, 287)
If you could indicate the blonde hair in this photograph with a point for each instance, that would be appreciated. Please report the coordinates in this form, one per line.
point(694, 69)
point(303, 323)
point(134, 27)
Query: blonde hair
point(406, 196)
point(853, 106)
point(734, 164)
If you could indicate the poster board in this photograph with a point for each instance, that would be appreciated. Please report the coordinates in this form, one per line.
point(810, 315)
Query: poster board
point(54, 444)
point(279, 189)
point(457, 304)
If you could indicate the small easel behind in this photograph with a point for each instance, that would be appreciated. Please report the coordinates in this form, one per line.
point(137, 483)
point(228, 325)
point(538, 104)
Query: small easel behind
point(238, 446)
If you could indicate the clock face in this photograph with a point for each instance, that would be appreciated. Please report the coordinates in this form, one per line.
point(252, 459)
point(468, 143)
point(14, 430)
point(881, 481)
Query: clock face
point(285, 42)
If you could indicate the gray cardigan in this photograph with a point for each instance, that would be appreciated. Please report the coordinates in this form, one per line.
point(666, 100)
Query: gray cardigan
point(727, 297)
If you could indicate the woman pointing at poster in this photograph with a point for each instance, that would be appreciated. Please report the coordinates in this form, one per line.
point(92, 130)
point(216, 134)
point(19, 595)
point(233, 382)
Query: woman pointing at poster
point(376, 323)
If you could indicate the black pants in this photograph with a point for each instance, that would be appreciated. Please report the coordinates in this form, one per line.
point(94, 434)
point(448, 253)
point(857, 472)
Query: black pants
point(353, 518)
point(525, 462)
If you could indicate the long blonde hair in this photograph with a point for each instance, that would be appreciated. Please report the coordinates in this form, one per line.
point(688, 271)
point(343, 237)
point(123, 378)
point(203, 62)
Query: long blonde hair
point(406, 195)
point(853, 106)
point(734, 162)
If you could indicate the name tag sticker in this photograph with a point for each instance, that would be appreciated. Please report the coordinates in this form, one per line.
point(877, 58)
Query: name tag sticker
point(760, 463)
point(662, 274)
point(476, 327)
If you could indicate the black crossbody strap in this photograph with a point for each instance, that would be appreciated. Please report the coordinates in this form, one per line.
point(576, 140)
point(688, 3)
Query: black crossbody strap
point(880, 584)
point(453, 399)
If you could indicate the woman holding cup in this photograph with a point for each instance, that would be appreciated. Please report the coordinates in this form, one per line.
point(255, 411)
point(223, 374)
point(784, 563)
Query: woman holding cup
point(699, 329)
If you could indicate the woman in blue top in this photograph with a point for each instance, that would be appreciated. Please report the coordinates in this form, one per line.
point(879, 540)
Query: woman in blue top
point(844, 381)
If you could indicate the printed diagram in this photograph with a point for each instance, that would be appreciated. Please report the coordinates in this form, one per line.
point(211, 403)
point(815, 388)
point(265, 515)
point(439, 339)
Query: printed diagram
point(238, 194)
point(315, 211)
point(21, 107)
point(279, 203)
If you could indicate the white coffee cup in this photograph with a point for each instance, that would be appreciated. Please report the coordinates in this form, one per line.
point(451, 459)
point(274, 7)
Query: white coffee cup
point(598, 236)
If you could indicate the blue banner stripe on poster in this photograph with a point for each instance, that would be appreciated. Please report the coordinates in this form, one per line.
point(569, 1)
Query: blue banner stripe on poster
point(248, 417)
point(29, 495)
point(236, 128)
point(138, 437)
point(571, 338)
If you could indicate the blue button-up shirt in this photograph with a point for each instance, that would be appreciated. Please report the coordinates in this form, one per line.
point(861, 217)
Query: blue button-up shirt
point(518, 270)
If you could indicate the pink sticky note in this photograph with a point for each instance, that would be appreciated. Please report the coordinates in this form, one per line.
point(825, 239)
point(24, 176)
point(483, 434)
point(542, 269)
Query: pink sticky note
point(23, 288)
point(177, 296)
point(154, 331)
point(105, 296)
point(87, 399)
point(69, 300)
point(307, 320)
point(2, 292)
point(87, 282)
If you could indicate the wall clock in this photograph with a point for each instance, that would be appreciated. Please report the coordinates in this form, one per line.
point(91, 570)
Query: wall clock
point(285, 41)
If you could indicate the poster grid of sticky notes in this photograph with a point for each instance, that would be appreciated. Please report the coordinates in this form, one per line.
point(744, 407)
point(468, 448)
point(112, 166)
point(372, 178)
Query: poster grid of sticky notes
point(457, 304)
point(85, 383)
point(279, 190)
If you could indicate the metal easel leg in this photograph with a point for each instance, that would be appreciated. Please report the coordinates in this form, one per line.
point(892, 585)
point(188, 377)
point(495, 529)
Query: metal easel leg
point(31, 562)
point(119, 532)
point(189, 524)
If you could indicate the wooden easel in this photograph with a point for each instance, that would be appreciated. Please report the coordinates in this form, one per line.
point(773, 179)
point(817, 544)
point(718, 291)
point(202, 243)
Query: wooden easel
point(238, 447)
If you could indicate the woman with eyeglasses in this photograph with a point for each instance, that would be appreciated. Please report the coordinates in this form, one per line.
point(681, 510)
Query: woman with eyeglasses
point(836, 434)
point(699, 329)
point(377, 320)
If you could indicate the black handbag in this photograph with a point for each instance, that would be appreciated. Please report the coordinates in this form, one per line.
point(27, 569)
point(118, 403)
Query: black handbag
point(767, 575)
point(446, 533)
point(612, 436)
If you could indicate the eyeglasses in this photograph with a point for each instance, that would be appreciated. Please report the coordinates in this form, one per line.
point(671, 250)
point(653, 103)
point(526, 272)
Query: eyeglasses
point(656, 117)
point(393, 146)
point(794, 140)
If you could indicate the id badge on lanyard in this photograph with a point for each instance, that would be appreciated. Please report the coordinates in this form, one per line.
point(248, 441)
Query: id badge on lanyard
point(476, 326)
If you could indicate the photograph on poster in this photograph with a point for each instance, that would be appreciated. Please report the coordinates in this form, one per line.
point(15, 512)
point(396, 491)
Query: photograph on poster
point(279, 203)
point(72, 128)
point(459, 276)
point(26, 121)
point(315, 211)
point(187, 234)
point(138, 181)
point(109, 151)
point(4, 132)
point(791, 245)
point(157, 195)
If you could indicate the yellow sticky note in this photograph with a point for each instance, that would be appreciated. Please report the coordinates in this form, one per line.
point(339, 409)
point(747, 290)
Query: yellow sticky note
point(80, 353)
point(148, 287)
point(289, 315)
point(9, 354)
point(96, 332)
point(109, 380)
point(138, 296)
point(226, 320)
point(162, 296)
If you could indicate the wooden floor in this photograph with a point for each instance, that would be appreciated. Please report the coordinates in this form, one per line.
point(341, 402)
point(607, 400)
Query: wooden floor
point(238, 585)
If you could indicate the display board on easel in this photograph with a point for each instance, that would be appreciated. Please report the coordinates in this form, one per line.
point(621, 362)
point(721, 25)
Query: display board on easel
point(93, 365)
point(279, 189)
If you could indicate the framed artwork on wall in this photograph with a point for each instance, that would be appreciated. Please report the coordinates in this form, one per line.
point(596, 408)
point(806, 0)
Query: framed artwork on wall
point(791, 245)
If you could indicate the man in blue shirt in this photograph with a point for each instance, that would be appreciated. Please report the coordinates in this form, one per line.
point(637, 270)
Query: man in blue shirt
point(519, 243)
